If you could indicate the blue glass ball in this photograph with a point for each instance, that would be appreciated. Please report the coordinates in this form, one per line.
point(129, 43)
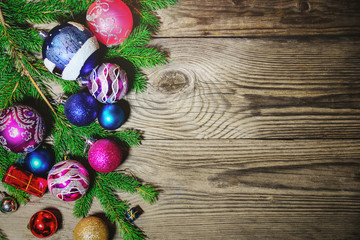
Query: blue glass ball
point(39, 161)
point(111, 116)
point(81, 109)
point(70, 51)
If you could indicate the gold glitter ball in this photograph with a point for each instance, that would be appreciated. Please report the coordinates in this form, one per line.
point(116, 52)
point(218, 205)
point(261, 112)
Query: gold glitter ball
point(91, 228)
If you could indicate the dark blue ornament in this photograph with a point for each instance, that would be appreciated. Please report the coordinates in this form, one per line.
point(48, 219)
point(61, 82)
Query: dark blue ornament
point(70, 50)
point(81, 109)
point(39, 161)
point(111, 116)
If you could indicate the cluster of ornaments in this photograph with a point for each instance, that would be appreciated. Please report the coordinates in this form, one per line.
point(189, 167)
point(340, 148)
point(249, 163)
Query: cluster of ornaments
point(71, 51)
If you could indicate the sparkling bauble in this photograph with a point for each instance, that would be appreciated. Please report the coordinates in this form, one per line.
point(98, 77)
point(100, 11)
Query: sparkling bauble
point(110, 20)
point(43, 224)
point(81, 109)
point(111, 116)
point(68, 180)
point(108, 83)
point(91, 228)
point(70, 50)
point(8, 204)
point(39, 161)
point(21, 129)
point(104, 156)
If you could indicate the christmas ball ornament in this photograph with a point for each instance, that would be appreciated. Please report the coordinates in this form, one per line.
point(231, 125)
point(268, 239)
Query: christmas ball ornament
point(21, 129)
point(39, 161)
point(111, 21)
point(104, 156)
point(81, 109)
point(68, 180)
point(43, 224)
point(8, 204)
point(111, 116)
point(70, 51)
point(108, 83)
point(91, 228)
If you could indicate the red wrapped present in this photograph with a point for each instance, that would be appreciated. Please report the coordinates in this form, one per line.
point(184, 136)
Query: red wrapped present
point(25, 181)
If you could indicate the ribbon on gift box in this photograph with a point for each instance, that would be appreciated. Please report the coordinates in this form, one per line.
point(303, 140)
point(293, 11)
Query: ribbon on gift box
point(25, 181)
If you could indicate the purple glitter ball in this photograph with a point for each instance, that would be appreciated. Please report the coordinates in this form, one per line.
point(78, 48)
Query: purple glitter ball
point(21, 129)
point(108, 83)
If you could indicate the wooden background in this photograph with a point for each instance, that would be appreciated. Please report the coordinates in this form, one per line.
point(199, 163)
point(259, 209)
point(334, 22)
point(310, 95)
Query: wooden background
point(252, 131)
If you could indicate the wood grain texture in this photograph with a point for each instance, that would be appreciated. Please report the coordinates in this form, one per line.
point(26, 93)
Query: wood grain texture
point(238, 189)
point(252, 88)
point(260, 18)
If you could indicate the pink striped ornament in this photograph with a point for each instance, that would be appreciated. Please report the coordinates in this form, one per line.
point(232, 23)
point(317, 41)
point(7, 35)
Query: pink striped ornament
point(68, 180)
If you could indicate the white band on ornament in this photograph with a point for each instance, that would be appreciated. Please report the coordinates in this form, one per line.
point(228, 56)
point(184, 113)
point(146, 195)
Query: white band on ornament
point(72, 70)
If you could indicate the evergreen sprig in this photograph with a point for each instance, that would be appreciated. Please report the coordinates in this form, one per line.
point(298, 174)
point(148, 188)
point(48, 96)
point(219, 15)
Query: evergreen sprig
point(24, 77)
point(3, 235)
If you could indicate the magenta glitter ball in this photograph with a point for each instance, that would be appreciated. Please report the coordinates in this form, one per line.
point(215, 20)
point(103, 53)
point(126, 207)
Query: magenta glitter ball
point(104, 156)
point(108, 83)
point(22, 129)
point(111, 21)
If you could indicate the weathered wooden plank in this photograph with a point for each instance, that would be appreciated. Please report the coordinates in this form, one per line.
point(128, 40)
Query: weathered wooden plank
point(238, 189)
point(260, 18)
point(252, 88)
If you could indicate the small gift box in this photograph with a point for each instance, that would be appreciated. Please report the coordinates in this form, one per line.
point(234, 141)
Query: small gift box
point(132, 214)
point(25, 181)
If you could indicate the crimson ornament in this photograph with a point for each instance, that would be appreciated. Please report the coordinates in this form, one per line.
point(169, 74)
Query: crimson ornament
point(43, 224)
point(104, 155)
point(22, 129)
point(111, 21)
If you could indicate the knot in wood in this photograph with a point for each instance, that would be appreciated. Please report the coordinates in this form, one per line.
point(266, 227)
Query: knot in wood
point(172, 82)
point(304, 6)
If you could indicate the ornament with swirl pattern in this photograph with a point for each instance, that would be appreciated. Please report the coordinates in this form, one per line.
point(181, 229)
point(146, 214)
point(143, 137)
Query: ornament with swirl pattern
point(22, 129)
point(108, 83)
point(68, 180)
point(111, 21)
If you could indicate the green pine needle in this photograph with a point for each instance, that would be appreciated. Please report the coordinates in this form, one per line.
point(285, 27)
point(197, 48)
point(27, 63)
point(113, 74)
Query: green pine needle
point(141, 57)
point(3, 235)
point(156, 4)
point(83, 205)
point(129, 184)
point(115, 211)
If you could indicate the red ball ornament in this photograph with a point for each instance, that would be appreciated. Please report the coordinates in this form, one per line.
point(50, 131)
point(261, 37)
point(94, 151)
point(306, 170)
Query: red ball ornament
point(104, 156)
point(43, 224)
point(111, 21)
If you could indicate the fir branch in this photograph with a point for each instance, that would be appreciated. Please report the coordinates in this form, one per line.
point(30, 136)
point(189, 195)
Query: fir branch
point(140, 81)
point(83, 205)
point(3, 235)
point(148, 193)
point(21, 196)
point(130, 137)
point(140, 57)
point(156, 4)
point(129, 184)
point(115, 211)
point(139, 37)
point(148, 18)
